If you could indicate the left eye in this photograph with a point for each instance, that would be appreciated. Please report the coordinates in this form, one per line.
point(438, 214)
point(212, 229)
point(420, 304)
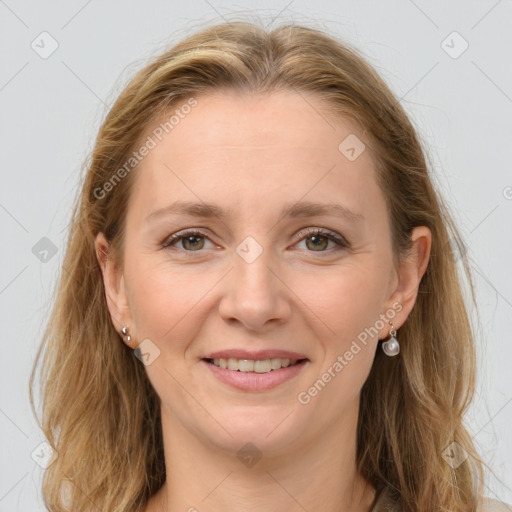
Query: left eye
point(320, 239)
point(316, 239)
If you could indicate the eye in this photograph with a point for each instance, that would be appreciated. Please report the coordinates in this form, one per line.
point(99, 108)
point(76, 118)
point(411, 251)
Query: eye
point(191, 240)
point(319, 239)
point(316, 239)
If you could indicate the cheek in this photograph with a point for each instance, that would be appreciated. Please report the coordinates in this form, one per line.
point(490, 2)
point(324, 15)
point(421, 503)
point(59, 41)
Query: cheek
point(164, 298)
point(348, 304)
point(158, 297)
point(347, 300)
point(169, 302)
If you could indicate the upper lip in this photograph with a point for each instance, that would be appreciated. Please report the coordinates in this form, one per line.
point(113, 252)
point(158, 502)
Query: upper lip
point(236, 353)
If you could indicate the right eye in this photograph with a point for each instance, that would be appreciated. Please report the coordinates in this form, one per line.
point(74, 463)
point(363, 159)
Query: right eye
point(191, 240)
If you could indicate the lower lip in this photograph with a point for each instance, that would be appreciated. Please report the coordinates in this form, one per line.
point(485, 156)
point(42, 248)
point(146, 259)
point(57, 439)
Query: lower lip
point(252, 381)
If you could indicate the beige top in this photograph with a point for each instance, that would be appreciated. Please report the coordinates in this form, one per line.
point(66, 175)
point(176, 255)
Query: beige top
point(384, 503)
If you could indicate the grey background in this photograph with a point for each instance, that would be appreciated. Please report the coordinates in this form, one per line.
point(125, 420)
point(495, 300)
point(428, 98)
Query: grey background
point(51, 109)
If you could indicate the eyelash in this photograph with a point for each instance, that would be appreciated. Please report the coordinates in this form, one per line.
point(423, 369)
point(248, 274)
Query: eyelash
point(340, 241)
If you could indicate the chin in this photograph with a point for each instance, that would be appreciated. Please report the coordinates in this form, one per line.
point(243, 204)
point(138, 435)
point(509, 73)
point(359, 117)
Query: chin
point(270, 429)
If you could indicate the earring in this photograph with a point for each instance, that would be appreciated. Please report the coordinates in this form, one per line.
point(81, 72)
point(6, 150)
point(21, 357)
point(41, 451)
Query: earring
point(391, 347)
point(127, 337)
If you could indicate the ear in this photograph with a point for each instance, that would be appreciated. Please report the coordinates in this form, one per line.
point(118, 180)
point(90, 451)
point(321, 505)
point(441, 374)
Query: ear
point(114, 284)
point(408, 277)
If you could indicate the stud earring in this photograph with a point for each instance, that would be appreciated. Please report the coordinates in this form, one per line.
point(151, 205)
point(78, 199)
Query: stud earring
point(391, 347)
point(127, 337)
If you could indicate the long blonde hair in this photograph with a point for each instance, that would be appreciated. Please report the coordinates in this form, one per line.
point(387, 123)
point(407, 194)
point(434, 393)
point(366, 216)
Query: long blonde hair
point(99, 411)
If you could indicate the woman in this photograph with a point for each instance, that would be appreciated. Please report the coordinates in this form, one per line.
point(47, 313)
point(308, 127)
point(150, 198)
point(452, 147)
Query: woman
point(260, 307)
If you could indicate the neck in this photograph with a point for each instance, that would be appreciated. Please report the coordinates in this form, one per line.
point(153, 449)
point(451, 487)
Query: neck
point(320, 476)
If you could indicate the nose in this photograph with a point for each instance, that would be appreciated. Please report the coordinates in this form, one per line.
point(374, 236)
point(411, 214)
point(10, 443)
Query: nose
point(255, 295)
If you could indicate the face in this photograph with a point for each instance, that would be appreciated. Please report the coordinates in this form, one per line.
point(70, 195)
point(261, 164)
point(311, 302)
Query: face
point(254, 273)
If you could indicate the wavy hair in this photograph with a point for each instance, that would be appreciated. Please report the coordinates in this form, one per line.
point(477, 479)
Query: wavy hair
point(99, 411)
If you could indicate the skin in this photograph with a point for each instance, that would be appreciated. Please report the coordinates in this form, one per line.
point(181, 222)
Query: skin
point(253, 154)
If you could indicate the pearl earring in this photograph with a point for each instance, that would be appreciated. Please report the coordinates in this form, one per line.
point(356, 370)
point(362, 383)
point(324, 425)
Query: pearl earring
point(127, 337)
point(391, 347)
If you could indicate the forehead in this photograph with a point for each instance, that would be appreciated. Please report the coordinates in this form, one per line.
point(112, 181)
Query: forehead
point(257, 121)
point(249, 148)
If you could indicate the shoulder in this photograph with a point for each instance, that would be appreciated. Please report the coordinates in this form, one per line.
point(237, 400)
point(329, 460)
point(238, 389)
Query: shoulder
point(492, 505)
point(385, 503)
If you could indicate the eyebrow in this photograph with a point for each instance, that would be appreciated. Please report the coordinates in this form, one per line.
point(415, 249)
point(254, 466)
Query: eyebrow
point(300, 209)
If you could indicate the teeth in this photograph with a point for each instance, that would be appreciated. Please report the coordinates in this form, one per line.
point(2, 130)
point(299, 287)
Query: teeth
point(259, 366)
point(245, 365)
point(262, 366)
point(275, 363)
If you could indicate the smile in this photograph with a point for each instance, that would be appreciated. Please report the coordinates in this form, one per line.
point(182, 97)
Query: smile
point(254, 375)
point(251, 365)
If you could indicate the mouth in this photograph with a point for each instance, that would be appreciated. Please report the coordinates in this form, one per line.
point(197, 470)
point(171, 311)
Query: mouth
point(254, 365)
point(254, 375)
